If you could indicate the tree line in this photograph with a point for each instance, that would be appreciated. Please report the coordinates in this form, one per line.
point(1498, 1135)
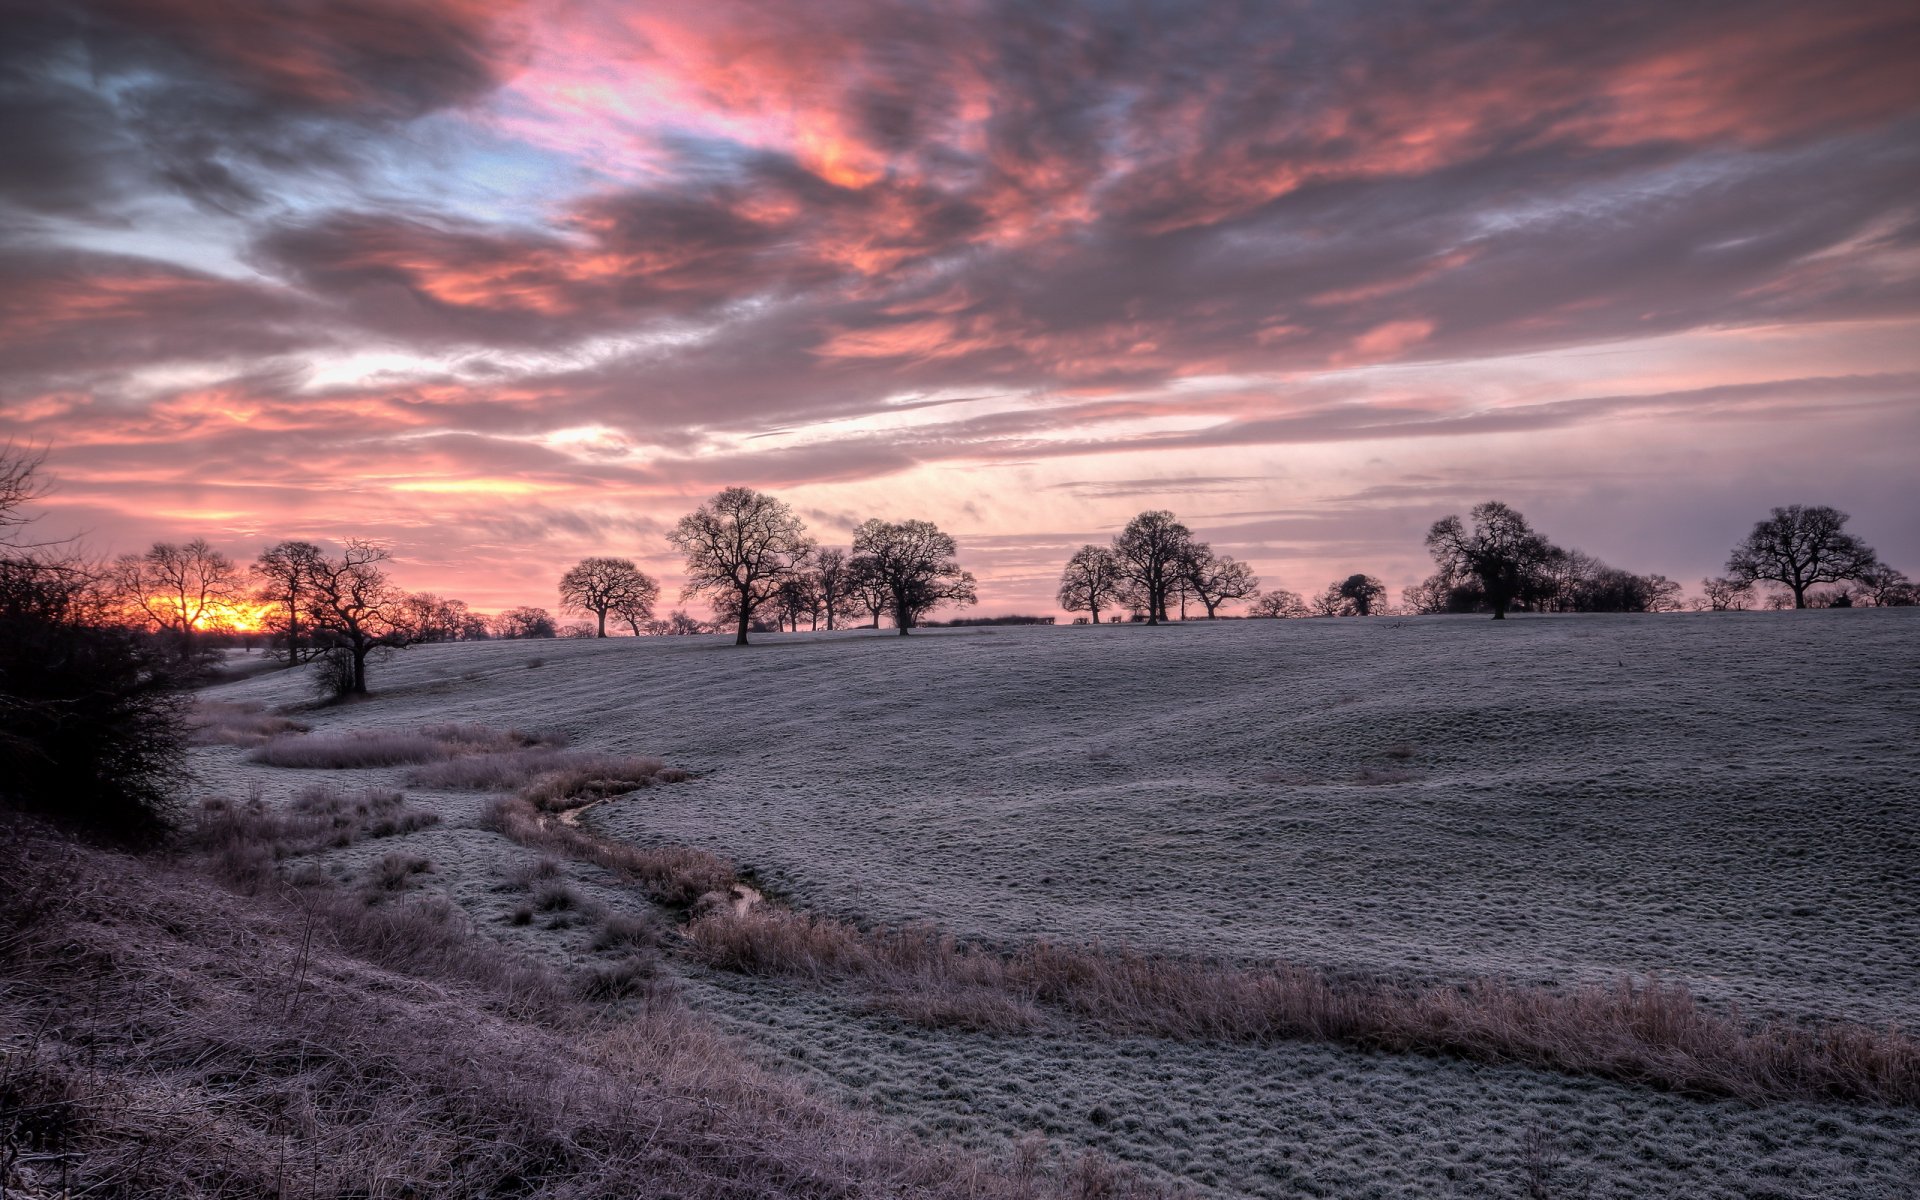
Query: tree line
point(1493, 562)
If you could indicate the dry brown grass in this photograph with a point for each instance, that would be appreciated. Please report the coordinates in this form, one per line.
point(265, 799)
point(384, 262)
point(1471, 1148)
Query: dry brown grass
point(1644, 1032)
point(1639, 1031)
point(221, 723)
point(672, 875)
point(164, 1037)
point(362, 748)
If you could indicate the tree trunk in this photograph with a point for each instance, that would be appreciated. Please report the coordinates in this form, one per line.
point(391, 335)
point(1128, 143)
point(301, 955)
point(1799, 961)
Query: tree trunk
point(1095, 610)
point(1799, 594)
point(902, 618)
point(360, 670)
point(603, 624)
point(740, 634)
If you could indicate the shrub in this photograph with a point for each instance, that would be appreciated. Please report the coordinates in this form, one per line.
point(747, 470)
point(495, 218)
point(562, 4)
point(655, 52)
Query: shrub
point(631, 978)
point(627, 932)
point(92, 719)
point(585, 779)
point(554, 895)
point(394, 872)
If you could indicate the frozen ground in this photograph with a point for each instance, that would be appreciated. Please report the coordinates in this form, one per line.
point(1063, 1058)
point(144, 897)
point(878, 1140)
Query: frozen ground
point(1728, 799)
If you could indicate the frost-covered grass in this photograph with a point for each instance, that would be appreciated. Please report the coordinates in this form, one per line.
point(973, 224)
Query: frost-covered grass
point(163, 1036)
point(1725, 800)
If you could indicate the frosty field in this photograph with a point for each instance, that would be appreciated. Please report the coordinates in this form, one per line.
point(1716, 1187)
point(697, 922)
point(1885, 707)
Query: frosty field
point(1728, 800)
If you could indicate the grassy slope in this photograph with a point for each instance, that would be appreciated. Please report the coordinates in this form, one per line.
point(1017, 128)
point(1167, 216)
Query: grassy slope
point(1727, 799)
point(1341, 792)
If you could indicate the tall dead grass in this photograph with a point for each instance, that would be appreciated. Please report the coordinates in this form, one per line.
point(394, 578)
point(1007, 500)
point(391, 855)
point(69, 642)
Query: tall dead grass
point(166, 1037)
point(222, 723)
point(393, 747)
point(1638, 1031)
point(671, 875)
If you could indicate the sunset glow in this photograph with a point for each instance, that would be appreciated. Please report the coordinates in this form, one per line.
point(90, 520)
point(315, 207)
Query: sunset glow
point(503, 285)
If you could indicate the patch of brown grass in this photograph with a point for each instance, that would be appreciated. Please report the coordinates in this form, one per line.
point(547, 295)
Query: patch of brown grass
point(1639, 1031)
point(167, 1038)
point(362, 748)
point(224, 723)
point(672, 875)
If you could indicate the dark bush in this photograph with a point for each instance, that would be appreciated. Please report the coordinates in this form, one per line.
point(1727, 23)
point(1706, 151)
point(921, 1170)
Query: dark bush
point(92, 719)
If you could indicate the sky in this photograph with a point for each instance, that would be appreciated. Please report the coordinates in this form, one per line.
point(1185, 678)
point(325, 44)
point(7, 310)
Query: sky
point(507, 284)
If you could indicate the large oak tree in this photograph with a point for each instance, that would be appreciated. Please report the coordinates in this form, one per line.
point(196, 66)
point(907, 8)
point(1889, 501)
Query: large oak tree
point(915, 562)
point(740, 546)
point(1800, 546)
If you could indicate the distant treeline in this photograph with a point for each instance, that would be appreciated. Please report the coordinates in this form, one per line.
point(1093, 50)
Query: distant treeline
point(1799, 557)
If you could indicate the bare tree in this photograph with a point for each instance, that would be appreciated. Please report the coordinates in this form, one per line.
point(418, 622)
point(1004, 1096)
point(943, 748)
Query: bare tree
point(916, 562)
point(600, 586)
point(1726, 595)
point(1800, 546)
point(20, 483)
point(677, 624)
point(869, 589)
point(1363, 594)
point(836, 581)
point(1149, 552)
point(1662, 594)
point(1278, 603)
point(1888, 588)
point(280, 575)
point(1090, 581)
point(354, 610)
point(525, 622)
point(1502, 551)
point(798, 596)
point(1216, 578)
point(740, 545)
point(431, 618)
point(179, 587)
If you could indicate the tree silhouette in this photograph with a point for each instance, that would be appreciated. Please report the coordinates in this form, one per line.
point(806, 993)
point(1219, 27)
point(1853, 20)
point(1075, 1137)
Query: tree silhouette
point(354, 610)
point(835, 579)
point(915, 561)
point(1363, 594)
point(602, 586)
point(1278, 603)
point(525, 622)
point(740, 546)
point(1217, 578)
point(179, 587)
point(1801, 546)
point(1090, 581)
point(1501, 550)
point(1149, 552)
point(281, 574)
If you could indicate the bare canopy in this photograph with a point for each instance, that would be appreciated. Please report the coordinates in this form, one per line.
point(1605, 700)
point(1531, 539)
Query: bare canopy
point(1799, 546)
point(602, 586)
point(740, 546)
point(1090, 582)
point(1501, 551)
point(915, 562)
point(179, 587)
point(1150, 551)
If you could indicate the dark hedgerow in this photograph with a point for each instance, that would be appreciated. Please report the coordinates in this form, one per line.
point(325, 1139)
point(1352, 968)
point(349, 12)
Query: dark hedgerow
point(92, 717)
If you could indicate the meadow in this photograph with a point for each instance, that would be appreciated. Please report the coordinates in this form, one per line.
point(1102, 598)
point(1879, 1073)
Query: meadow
point(1723, 802)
